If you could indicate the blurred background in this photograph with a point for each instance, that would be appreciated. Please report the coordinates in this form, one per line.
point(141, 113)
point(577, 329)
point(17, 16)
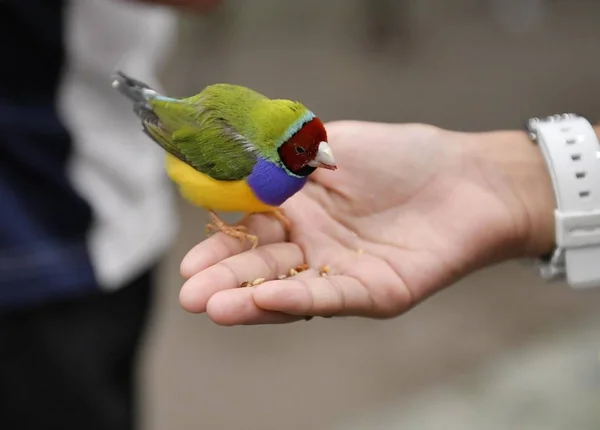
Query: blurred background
point(498, 350)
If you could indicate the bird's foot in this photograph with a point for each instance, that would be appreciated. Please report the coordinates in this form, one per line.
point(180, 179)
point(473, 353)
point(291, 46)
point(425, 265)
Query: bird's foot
point(279, 213)
point(237, 231)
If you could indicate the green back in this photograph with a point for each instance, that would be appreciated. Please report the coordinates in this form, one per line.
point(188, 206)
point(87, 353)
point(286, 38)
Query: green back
point(223, 130)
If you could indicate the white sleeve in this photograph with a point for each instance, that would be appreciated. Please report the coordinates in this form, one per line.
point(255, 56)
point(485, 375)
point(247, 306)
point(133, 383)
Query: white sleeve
point(114, 166)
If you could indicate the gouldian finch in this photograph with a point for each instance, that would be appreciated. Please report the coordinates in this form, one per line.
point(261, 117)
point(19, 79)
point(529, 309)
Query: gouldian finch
point(232, 149)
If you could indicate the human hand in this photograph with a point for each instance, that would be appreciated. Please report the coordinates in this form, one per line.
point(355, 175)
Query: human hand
point(411, 209)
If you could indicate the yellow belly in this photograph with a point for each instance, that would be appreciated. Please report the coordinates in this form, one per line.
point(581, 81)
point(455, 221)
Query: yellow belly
point(202, 190)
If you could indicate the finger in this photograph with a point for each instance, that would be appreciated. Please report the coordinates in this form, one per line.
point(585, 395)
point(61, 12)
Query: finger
point(237, 307)
point(319, 296)
point(221, 246)
point(268, 261)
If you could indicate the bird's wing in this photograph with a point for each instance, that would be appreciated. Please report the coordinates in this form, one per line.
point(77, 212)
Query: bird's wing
point(159, 134)
point(201, 138)
point(216, 149)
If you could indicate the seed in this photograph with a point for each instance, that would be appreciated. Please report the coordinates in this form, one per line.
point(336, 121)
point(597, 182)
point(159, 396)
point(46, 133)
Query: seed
point(324, 271)
point(244, 284)
point(293, 272)
point(280, 277)
point(258, 281)
point(302, 268)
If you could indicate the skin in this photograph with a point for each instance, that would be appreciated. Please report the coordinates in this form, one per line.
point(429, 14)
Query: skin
point(410, 210)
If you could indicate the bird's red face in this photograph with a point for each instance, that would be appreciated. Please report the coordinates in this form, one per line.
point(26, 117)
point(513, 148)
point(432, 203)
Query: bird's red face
point(307, 150)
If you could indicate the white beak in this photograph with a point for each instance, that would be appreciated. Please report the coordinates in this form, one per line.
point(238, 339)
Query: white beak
point(324, 157)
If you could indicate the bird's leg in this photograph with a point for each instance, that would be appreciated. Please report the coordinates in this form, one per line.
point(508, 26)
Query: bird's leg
point(279, 213)
point(238, 231)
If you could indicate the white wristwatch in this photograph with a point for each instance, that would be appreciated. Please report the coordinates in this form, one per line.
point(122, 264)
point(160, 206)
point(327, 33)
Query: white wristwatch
point(572, 152)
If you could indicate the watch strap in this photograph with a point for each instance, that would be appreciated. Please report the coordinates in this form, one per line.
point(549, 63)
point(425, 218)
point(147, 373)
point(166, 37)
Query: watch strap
point(572, 153)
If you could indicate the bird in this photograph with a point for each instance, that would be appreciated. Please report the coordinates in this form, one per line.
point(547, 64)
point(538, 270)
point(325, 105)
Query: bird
point(232, 149)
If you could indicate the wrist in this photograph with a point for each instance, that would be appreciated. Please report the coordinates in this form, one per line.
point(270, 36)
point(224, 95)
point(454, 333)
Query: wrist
point(516, 171)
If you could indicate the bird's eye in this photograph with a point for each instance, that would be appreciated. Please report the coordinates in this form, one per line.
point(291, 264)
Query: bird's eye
point(299, 150)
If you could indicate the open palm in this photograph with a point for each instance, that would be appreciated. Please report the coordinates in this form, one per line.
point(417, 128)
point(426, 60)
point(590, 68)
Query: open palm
point(407, 212)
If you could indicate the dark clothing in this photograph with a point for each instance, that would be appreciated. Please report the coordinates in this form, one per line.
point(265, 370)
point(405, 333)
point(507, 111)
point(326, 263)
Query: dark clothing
point(71, 365)
point(43, 222)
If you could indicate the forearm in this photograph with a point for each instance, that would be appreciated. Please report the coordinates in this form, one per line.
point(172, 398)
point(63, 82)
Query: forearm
point(516, 169)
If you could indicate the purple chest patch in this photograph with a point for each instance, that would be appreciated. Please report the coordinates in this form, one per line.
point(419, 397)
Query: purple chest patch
point(271, 184)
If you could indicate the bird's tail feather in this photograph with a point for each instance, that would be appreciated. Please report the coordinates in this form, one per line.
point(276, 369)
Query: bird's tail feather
point(140, 93)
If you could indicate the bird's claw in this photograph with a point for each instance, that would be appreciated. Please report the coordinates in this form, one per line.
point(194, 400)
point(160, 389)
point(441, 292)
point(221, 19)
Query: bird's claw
point(279, 214)
point(210, 228)
point(237, 231)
